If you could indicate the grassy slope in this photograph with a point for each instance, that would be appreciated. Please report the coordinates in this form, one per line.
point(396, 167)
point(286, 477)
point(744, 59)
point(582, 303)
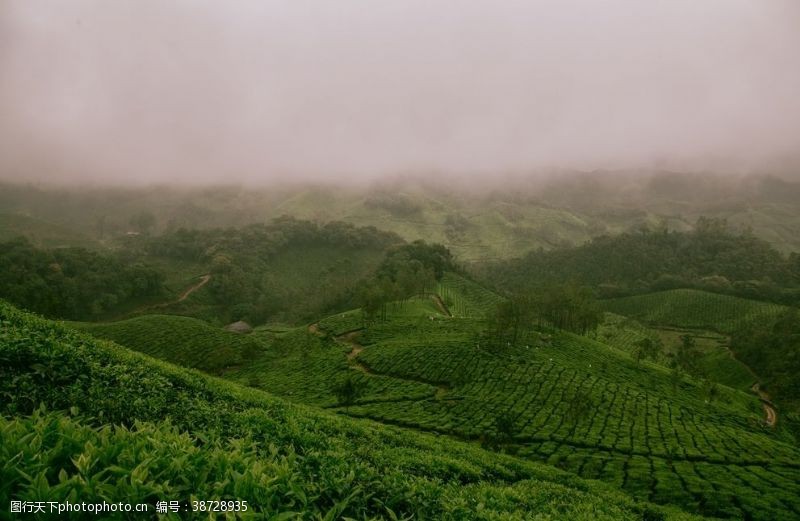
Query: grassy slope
point(501, 228)
point(638, 433)
point(657, 442)
point(302, 281)
point(688, 308)
point(185, 341)
point(716, 359)
point(465, 298)
point(502, 225)
point(708, 317)
point(494, 229)
point(225, 441)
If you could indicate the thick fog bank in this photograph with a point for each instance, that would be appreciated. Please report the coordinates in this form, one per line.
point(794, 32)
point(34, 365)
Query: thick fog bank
point(144, 91)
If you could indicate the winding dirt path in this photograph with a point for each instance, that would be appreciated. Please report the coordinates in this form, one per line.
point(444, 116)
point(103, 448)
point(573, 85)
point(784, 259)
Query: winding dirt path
point(203, 281)
point(769, 409)
point(355, 349)
point(183, 296)
point(350, 339)
point(441, 305)
point(770, 414)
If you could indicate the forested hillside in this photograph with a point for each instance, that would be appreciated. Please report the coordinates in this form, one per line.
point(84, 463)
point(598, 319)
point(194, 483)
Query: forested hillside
point(505, 222)
point(72, 283)
point(772, 348)
point(287, 270)
point(711, 257)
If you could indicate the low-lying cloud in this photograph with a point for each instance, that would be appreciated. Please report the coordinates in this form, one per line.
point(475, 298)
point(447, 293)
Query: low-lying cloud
point(208, 91)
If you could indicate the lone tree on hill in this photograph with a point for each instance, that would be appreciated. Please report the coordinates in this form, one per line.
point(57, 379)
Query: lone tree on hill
point(505, 425)
point(579, 406)
point(511, 321)
point(348, 391)
point(568, 307)
point(646, 348)
point(675, 375)
point(688, 356)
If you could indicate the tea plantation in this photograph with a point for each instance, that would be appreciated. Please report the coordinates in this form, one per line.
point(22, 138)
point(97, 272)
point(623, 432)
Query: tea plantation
point(588, 408)
point(125, 427)
point(694, 309)
point(185, 341)
point(578, 404)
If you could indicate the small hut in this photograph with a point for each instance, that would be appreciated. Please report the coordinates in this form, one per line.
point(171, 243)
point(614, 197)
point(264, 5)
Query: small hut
point(240, 327)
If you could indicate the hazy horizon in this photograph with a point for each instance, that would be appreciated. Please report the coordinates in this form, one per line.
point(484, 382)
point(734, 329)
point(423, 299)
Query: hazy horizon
point(146, 92)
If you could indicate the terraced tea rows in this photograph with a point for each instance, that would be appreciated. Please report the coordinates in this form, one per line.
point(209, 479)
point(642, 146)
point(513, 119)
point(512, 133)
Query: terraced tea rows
point(623, 332)
point(566, 400)
point(133, 429)
point(418, 308)
point(185, 341)
point(587, 408)
point(465, 298)
point(693, 309)
point(715, 357)
point(304, 367)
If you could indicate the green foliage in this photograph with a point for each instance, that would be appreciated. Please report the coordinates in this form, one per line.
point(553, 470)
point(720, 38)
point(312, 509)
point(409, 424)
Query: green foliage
point(714, 359)
point(647, 348)
point(579, 406)
point(420, 256)
point(772, 349)
point(71, 282)
point(342, 323)
point(466, 298)
point(588, 408)
point(479, 226)
point(512, 322)
point(568, 307)
point(185, 341)
point(687, 356)
point(693, 309)
point(42, 234)
point(285, 271)
point(228, 442)
point(143, 222)
point(348, 390)
point(709, 258)
point(407, 271)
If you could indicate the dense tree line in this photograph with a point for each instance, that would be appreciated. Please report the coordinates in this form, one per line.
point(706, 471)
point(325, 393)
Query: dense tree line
point(71, 283)
point(259, 241)
point(711, 257)
point(407, 270)
point(772, 350)
point(560, 306)
point(243, 285)
point(429, 256)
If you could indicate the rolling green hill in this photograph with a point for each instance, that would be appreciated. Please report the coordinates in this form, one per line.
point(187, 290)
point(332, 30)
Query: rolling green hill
point(133, 429)
point(505, 221)
point(581, 405)
point(287, 271)
point(715, 357)
point(184, 341)
point(465, 298)
point(572, 402)
point(689, 308)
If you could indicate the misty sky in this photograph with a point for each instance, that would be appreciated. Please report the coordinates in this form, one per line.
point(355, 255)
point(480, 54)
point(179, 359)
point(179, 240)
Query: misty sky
point(212, 91)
